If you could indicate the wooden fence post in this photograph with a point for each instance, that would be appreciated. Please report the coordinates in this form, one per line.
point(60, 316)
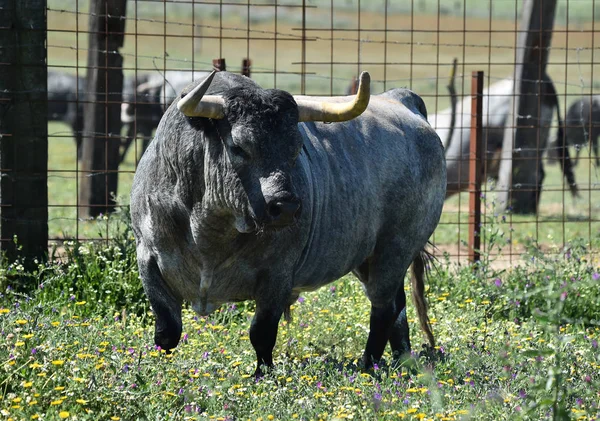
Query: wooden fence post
point(219, 64)
point(475, 162)
point(102, 109)
point(521, 168)
point(246, 64)
point(23, 129)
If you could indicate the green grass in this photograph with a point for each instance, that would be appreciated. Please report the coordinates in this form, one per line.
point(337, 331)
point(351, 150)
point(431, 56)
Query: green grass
point(513, 344)
point(579, 214)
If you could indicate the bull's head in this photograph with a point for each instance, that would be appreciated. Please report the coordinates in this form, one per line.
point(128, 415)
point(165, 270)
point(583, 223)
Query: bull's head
point(258, 129)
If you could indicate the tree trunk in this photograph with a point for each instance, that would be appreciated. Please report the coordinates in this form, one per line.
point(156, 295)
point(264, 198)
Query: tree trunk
point(23, 130)
point(526, 133)
point(102, 109)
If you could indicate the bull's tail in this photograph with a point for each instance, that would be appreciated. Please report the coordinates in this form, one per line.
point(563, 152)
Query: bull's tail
point(418, 293)
point(566, 165)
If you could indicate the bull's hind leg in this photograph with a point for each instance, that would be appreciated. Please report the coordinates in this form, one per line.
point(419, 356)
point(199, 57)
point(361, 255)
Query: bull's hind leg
point(399, 335)
point(167, 329)
point(385, 288)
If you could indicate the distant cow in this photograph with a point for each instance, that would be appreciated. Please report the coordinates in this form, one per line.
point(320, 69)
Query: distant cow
point(66, 95)
point(496, 109)
point(146, 96)
point(582, 125)
point(248, 194)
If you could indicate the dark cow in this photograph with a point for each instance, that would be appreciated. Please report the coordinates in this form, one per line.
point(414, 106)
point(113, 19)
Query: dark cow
point(582, 125)
point(145, 98)
point(245, 194)
point(65, 102)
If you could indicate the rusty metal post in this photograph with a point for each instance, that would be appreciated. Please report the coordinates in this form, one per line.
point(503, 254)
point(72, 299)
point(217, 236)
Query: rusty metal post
point(246, 63)
point(475, 162)
point(219, 64)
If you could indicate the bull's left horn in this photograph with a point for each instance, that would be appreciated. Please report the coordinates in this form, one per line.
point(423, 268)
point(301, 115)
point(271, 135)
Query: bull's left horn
point(196, 104)
point(311, 110)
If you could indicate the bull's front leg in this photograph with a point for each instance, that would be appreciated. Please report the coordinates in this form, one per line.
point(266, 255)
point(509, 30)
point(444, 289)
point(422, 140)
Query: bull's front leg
point(263, 335)
point(271, 298)
point(167, 309)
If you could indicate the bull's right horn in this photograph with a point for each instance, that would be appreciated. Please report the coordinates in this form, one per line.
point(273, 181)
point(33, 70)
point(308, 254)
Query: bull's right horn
point(324, 110)
point(196, 104)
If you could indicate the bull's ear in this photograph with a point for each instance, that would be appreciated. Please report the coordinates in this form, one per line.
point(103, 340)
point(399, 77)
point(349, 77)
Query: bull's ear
point(333, 110)
point(196, 104)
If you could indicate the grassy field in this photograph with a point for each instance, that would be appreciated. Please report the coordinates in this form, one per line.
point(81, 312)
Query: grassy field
point(513, 344)
point(517, 339)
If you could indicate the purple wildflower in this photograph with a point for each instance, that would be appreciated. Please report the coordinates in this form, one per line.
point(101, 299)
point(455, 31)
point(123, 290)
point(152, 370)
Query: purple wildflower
point(595, 276)
point(498, 282)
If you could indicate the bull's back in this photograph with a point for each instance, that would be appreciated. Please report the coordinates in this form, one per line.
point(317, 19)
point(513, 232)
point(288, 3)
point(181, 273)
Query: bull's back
point(375, 174)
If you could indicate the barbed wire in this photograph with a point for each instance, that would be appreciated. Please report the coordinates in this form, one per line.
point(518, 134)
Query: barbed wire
point(329, 39)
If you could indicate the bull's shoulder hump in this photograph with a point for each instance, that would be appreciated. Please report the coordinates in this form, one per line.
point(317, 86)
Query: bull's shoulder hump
point(408, 98)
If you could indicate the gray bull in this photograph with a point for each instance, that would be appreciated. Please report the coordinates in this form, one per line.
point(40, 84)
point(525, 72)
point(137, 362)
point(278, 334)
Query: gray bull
point(496, 109)
point(236, 200)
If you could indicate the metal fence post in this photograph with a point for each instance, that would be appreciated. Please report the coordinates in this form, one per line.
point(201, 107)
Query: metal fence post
point(475, 162)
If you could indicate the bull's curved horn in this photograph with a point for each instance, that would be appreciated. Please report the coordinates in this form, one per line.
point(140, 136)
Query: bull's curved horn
point(311, 110)
point(196, 104)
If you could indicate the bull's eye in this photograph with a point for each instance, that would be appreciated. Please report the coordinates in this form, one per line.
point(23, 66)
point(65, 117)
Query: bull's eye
point(238, 152)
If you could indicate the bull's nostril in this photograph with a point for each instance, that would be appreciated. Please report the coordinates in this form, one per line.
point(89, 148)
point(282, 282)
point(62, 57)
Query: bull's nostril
point(283, 211)
point(275, 209)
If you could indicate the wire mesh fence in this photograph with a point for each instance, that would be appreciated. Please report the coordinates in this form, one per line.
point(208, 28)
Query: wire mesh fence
point(318, 47)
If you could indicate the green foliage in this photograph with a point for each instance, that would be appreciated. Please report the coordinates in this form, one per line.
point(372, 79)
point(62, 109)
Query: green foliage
point(514, 343)
point(103, 272)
